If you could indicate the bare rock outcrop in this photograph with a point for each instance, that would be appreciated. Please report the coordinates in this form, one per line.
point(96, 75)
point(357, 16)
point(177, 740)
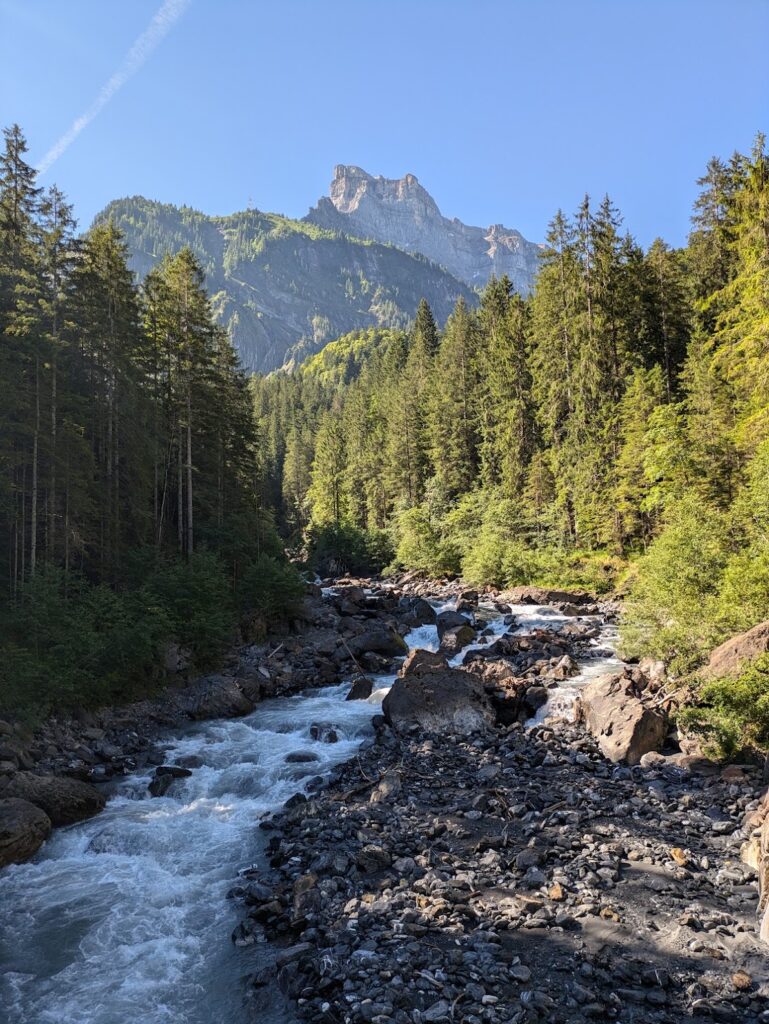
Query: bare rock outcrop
point(401, 212)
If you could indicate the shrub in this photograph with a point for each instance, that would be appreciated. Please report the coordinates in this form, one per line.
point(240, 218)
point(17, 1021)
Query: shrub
point(672, 610)
point(338, 548)
point(197, 599)
point(271, 588)
point(732, 714)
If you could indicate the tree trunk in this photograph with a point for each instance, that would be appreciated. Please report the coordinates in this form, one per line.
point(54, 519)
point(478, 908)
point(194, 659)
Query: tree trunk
point(35, 452)
point(189, 476)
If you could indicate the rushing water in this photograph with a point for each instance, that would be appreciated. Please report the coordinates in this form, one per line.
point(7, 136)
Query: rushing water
point(124, 918)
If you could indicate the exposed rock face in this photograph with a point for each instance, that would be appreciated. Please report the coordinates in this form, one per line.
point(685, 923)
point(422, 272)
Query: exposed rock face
point(63, 800)
point(441, 701)
point(624, 726)
point(23, 829)
point(403, 213)
point(737, 651)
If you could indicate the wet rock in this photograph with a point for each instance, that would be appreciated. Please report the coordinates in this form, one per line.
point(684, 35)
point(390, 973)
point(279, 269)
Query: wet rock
point(324, 732)
point(453, 640)
point(382, 641)
point(24, 827)
point(361, 688)
point(624, 726)
point(450, 620)
point(219, 697)
point(418, 612)
point(301, 757)
point(64, 800)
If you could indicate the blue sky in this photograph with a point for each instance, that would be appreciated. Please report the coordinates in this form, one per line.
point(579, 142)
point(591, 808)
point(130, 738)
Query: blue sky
point(504, 109)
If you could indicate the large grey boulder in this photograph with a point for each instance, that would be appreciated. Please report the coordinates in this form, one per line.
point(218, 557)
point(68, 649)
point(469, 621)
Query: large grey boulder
point(447, 701)
point(450, 620)
point(545, 595)
point(381, 640)
point(64, 800)
point(737, 651)
point(23, 829)
point(624, 726)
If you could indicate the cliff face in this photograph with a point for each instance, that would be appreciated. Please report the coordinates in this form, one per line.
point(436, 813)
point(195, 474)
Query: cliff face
point(401, 212)
point(285, 288)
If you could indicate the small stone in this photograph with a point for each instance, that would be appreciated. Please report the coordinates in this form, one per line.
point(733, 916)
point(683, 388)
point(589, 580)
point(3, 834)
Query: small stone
point(742, 981)
point(679, 856)
point(556, 892)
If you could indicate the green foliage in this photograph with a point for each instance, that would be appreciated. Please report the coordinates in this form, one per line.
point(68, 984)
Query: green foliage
point(72, 644)
point(732, 714)
point(197, 600)
point(130, 481)
point(272, 588)
point(672, 609)
point(339, 548)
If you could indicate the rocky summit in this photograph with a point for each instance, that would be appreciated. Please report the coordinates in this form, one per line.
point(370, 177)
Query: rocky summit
point(402, 212)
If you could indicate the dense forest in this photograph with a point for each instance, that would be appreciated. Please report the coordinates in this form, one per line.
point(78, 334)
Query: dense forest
point(612, 430)
point(130, 504)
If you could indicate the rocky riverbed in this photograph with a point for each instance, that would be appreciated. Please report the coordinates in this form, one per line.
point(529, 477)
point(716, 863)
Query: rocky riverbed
point(481, 869)
point(490, 829)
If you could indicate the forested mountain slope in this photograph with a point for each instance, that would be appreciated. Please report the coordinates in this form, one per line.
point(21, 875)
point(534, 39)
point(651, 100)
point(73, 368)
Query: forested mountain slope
point(283, 287)
point(613, 427)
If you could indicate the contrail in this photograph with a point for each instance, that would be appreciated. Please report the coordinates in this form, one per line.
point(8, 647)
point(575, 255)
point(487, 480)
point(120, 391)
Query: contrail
point(165, 18)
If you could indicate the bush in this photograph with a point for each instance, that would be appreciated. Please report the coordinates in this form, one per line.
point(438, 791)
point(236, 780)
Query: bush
point(271, 588)
point(68, 644)
point(732, 714)
point(338, 548)
point(197, 599)
point(672, 610)
point(422, 545)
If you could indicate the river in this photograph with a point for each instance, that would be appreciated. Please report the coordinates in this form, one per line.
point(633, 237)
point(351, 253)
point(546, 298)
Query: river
point(124, 918)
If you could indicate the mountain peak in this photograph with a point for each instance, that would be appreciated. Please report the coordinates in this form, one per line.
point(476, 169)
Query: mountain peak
point(401, 212)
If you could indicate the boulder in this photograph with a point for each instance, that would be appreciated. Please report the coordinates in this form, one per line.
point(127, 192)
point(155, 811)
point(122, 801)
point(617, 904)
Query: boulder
point(361, 688)
point(219, 697)
point(543, 595)
point(624, 726)
point(23, 829)
point(453, 640)
point(443, 701)
point(418, 612)
point(450, 620)
point(729, 658)
point(64, 800)
point(419, 662)
point(382, 641)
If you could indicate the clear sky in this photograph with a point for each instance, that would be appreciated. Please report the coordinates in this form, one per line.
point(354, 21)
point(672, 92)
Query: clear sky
point(504, 109)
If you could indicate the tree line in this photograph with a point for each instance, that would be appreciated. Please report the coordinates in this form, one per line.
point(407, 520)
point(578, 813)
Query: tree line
point(130, 502)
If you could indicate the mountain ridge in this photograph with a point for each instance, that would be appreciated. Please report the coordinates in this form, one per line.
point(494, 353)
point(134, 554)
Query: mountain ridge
point(361, 259)
point(401, 211)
